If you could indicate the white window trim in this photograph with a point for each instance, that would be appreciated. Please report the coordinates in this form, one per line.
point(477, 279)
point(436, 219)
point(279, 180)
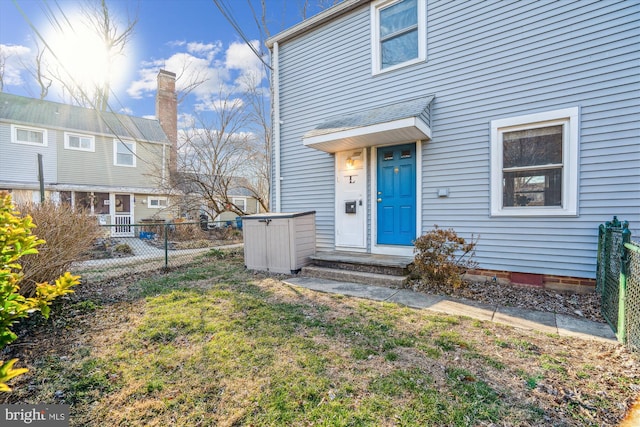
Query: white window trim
point(79, 135)
point(115, 153)
point(14, 136)
point(376, 6)
point(568, 117)
point(235, 201)
point(150, 206)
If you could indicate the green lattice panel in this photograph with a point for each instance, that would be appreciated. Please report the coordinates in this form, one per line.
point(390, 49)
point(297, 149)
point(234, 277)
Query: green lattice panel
point(611, 291)
point(633, 300)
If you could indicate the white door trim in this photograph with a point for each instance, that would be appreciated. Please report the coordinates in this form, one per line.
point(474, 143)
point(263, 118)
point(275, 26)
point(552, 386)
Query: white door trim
point(394, 249)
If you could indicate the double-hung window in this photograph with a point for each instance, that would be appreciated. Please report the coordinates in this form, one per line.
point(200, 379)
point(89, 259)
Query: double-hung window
point(124, 153)
point(534, 164)
point(241, 203)
point(73, 141)
point(157, 202)
point(28, 135)
point(397, 33)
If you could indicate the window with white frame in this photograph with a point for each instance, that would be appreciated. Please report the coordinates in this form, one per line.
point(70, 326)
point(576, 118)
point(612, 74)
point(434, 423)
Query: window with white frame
point(124, 153)
point(157, 202)
point(397, 33)
point(74, 141)
point(28, 135)
point(534, 164)
point(241, 203)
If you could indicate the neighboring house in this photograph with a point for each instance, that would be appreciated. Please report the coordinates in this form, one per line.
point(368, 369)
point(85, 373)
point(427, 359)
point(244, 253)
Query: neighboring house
point(111, 164)
point(518, 122)
point(243, 199)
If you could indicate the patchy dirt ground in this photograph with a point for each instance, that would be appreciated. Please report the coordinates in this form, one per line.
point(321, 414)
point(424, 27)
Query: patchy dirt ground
point(585, 306)
point(585, 385)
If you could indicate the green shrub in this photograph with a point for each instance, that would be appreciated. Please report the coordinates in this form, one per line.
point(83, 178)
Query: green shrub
point(442, 257)
point(17, 241)
point(68, 237)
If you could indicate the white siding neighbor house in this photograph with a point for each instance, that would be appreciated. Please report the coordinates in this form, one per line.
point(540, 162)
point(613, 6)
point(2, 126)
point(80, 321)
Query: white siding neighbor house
point(518, 122)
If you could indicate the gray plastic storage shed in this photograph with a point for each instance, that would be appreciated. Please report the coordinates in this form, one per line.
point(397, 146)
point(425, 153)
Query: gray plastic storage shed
point(279, 242)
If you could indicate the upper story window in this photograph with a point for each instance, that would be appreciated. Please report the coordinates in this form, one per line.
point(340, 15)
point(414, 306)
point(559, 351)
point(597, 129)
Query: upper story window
point(241, 203)
point(398, 33)
point(124, 153)
point(28, 135)
point(73, 141)
point(534, 164)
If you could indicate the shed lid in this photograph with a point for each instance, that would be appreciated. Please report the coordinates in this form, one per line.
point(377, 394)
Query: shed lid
point(276, 215)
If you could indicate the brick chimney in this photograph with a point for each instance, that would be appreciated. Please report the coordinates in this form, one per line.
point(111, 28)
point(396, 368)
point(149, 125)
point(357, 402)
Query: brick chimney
point(167, 112)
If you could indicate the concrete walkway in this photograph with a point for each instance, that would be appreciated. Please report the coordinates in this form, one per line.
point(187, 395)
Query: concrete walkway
point(563, 325)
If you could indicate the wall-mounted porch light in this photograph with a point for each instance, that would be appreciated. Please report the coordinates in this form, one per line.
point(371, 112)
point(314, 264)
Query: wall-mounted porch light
point(351, 160)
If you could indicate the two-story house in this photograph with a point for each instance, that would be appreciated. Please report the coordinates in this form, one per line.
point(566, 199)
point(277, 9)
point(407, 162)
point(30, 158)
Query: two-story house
point(114, 165)
point(518, 122)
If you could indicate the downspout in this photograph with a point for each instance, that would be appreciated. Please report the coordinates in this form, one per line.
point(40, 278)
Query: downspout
point(276, 126)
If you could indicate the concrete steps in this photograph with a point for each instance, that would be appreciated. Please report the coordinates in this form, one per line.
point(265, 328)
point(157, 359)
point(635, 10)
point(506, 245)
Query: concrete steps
point(354, 267)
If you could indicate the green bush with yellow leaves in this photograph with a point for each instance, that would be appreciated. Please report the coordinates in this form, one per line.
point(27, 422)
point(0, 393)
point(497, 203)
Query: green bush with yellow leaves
point(17, 240)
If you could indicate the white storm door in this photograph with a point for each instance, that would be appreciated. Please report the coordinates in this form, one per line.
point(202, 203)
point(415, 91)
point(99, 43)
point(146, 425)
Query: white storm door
point(351, 207)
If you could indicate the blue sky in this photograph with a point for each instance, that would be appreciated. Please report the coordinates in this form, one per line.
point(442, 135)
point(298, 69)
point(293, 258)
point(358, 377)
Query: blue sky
point(190, 35)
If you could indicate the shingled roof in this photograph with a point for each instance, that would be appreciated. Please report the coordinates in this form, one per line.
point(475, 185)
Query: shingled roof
point(405, 121)
point(35, 112)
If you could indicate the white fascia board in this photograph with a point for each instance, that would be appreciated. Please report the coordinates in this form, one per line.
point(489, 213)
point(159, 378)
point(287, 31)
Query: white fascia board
point(320, 141)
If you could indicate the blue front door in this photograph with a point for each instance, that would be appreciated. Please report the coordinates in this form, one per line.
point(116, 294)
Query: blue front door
point(396, 195)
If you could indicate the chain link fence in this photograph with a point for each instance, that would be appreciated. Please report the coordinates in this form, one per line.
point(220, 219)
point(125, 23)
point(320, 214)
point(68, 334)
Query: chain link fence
point(156, 245)
point(618, 280)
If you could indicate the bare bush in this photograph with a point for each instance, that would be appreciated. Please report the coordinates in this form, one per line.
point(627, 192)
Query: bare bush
point(69, 235)
point(442, 257)
point(186, 231)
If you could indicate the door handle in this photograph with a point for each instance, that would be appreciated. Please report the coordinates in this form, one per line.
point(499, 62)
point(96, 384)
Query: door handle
point(379, 200)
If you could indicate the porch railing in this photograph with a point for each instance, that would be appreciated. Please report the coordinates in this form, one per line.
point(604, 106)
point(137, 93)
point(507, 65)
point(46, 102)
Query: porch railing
point(122, 226)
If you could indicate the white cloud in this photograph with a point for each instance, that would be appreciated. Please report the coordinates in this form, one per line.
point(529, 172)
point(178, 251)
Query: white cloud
point(176, 43)
point(15, 58)
point(190, 71)
point(206, 70)
point(216, 104)
point(146, 84)
point(209, 50)
point(239, 56)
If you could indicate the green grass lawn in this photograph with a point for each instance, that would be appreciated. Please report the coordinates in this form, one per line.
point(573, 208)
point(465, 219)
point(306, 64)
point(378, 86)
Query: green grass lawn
point(214, 345)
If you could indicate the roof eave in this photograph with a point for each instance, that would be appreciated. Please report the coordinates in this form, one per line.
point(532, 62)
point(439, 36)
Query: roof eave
point(315, 21)
point(398, 131)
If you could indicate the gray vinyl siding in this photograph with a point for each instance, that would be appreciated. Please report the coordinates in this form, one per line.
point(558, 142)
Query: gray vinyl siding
point(19, 162)
point(97, 168)
point(486, 60)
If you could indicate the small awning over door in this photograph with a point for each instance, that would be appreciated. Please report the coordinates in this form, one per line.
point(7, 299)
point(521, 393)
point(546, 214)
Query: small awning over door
point(406, 121)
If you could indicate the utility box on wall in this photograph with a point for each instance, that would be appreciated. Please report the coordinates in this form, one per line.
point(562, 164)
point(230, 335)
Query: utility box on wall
point(279, 242)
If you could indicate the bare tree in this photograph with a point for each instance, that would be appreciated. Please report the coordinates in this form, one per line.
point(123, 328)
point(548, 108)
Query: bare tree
point(189, 80)
point(259, 149)
point(115, 40)
point(3, 64)
point(43, 81)
point(212, 157)
point(38, 70)
point(96, 16)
